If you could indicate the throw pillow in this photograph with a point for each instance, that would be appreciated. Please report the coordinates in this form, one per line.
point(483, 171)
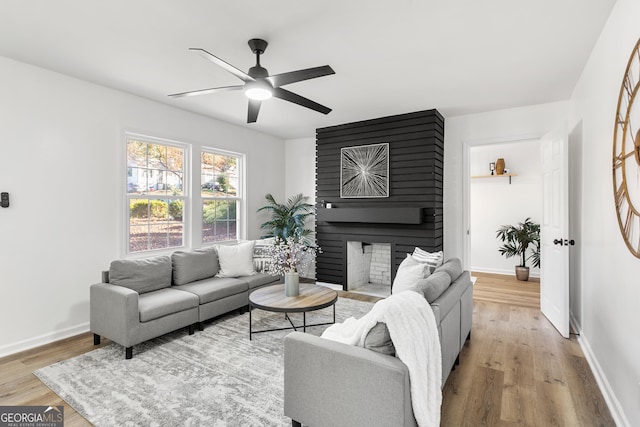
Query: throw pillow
point(434, 259)
point(189, 266)
point(378, 339)
point(453, 267)
point(141, 275)
point(236, 260)
point(434, 285)
point(261, 257)
point(408, 274)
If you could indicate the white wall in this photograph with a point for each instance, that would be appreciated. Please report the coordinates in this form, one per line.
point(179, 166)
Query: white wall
point(502, 126)
point(300, 177)
point(61, 151)
point(300, 160)
point(610, 286)
point(494, 202)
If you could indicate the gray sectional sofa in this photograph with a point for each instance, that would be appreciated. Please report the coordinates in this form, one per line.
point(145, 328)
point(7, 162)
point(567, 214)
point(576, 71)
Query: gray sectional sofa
point(327, 383)
point(141, 299)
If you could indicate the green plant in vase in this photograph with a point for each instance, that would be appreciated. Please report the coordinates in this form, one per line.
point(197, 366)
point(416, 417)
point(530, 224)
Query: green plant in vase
point(288, 219)
point(517, 239)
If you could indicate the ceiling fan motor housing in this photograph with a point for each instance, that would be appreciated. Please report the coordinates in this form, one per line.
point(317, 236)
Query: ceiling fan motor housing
point(258, 72)
point(258, 46)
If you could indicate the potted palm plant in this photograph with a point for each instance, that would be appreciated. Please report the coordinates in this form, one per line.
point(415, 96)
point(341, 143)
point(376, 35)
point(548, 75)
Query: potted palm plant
point(288, 219)
point(293, 247)
point(516, 241)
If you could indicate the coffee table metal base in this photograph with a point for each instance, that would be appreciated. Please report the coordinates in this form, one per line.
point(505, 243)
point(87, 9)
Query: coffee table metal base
point(294, 327)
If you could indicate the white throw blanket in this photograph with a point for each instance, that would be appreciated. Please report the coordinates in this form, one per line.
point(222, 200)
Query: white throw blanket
point(413, 330)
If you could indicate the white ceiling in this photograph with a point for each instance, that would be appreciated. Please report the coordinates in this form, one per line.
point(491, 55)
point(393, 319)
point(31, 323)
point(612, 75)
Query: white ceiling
point(390, 57)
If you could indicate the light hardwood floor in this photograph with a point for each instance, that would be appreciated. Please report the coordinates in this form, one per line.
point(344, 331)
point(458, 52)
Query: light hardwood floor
point(516, 370)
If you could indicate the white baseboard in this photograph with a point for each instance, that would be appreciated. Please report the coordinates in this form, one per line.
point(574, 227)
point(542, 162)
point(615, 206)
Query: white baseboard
point(605, 388)
point(333, 286)
point(575, 326)
point(503, 272)
point(30, 343)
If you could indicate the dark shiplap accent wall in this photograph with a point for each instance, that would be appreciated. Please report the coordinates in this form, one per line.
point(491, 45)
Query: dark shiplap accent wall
point(416, 154)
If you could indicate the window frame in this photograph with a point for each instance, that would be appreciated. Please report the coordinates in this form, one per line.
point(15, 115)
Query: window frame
point(239, 198)
point(185, 197)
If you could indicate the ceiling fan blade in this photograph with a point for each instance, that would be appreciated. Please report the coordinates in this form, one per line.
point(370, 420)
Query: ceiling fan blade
point(254, 109)
point(300, 100)
point(206, 91)
point(278, 80)
point(225, 65)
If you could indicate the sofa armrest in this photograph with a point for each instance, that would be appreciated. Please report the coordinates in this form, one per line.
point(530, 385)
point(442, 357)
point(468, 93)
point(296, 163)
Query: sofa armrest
point(327, 383)
point(114, 312)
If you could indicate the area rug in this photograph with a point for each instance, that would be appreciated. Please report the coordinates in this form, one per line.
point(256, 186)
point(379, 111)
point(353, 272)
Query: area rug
point(216, 377)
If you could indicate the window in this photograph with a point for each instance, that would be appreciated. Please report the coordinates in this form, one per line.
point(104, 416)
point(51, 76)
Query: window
point(156, 174)
point(221, 191)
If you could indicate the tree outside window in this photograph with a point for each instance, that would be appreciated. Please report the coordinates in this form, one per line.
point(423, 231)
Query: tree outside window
point(220, 191)
point(155, 195)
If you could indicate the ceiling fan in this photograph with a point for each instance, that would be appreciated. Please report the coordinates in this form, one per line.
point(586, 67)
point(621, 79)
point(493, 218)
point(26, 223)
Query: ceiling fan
point(259, 85)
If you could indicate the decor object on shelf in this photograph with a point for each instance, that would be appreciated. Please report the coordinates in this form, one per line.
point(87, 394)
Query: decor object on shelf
point(492, 167)
point(364, 171)
point(288, 219)
point(500, 166)
point(626, 155)
point(517, 239)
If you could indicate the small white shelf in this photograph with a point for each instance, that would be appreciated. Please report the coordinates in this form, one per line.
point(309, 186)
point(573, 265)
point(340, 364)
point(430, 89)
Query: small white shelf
point(496, 176)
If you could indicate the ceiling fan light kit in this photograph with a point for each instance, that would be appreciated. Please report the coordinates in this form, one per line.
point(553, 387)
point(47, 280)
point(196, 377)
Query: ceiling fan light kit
point(259, 85)
point(258, 90)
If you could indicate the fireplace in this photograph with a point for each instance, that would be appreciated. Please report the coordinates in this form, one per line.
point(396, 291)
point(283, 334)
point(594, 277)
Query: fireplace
point(408, 215)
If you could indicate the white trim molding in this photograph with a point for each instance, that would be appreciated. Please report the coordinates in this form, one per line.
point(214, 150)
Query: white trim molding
point(48, 338)
point(605, 388)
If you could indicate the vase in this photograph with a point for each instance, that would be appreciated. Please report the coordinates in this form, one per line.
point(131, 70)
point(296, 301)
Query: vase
point(522, 273)
point(500, 166)
point(291, 284)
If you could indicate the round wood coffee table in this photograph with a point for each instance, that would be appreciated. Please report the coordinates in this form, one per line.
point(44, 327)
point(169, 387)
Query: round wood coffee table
point(312, 297)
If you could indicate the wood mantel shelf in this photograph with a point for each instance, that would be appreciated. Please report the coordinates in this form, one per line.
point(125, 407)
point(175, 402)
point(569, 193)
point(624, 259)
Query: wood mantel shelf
point(496, 176)
point(396, 215)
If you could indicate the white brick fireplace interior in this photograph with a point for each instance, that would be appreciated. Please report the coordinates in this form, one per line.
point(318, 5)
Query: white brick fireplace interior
point(369, 268)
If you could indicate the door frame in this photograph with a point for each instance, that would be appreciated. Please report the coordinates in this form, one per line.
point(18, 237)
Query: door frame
point(466, 183)
point(575, 140)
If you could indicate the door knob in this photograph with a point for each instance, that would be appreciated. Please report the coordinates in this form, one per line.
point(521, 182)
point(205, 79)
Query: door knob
point(558, 242)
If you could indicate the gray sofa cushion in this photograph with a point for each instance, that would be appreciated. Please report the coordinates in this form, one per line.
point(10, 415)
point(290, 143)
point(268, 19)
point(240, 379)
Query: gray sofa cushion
point(215, 288)
point(260, 279)
point(451, 296)
point(163, 302)
point(433, 286)
point(453, 267)
point(189, 266)
point(378, 339)
point(141, 275)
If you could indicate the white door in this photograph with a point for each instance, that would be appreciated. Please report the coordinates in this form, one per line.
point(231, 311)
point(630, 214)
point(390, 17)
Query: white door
point(554, 239)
